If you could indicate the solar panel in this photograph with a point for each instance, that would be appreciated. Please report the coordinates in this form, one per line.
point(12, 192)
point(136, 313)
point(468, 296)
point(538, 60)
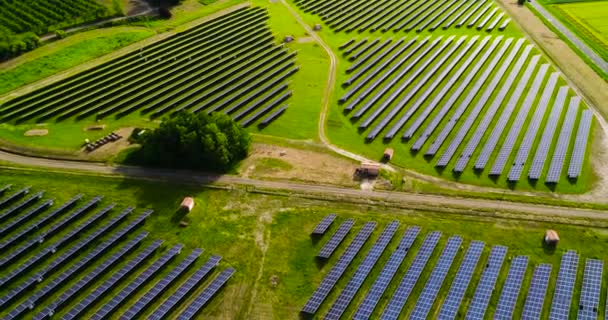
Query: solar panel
point(470, 14)
point(542, 150)
point(14, 196)
point(518, 124)
point(36, 259)
point(111, 282)
point(206, 295)
point(580, 145)
point(535, 300)
point(135, 310)
point(118, 299)
point(472, 92)
point(511, 288)
point(486, 19)
point(485, 287)
point(15, 222)
point(495, 22)
point(5, 188)
point(488, 148)
point(590, 293)
point(353, 286)
point(273, 115)
point(363, 50)
point(429, 90)
point(445, 88)
point(336, 272)
point(376, 62)
point(16, 208)
point(324, 224)
point(461, 281)
point(562, 297)
point(90, 277)
point(398, 90)
point(429, 293)
point(563, 142)
point(490, 112)
point(457, 15)
point(402, 293)
point(374, 294)
point(38, 223)
point(503, 26)
point(481, 13)
point(335, 240)
point(188, 286)
point(80, 263)
point(532, 130)
point(369, 55)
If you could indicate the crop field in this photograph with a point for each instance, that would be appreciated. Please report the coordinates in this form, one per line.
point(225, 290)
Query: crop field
point(405, 16)
point(244, 74)
point(589, 20)
point(251, 231)
point(42, 16)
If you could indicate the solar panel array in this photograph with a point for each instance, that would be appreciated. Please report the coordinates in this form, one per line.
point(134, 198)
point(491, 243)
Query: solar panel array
point(206, 295)
point(385, 277)
point(352, 287)
point(564, 287)
point(452, 302)
point(336, 272)
point(14, 196)
point(159, 287)
point(15, 222)
point(328, 249)
point(182, 292)
point(511, 288)
point(533, 307)
point(485, 287)
point(590, 292)
point(435, 281)
point(322, 227)
point(563, 142)
point(580, 145)
point(21, 205)
point(402, 293)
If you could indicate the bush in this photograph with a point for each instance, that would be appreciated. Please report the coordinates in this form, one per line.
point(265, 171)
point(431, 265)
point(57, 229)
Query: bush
point(60, 34)
point(196, 141)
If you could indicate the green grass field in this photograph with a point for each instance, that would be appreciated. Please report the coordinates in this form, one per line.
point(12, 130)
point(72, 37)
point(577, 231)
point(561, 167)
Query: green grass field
point(589, 20)
point(241, 226)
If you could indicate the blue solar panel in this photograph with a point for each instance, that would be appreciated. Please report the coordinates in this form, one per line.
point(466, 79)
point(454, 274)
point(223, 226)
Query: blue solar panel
point(90, 277)
point(188, 286)
point(352, 287)
point(485, 287)
point(395, 305)
point(211, 290)
point(118, 299)
point(324, 224)
point(451, 304)
point(580, 145)
point(38, 223)
point(386, 275)
point(328, 283)
point(135, 310)
point(511, 288)
point(110, 283)
point(19, 220)
point(562, 298)
point(17, 207)
point(563, 142)
point(429, 293)
point(335, 240)
point(14, 196)
point(535, 300)
point(590, 293)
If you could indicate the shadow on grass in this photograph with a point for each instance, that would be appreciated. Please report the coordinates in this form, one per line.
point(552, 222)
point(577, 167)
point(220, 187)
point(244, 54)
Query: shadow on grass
point(549, 249)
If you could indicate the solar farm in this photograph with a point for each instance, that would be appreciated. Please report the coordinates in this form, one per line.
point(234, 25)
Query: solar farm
point(53, 253)
point(245, 75)
point(474, 271)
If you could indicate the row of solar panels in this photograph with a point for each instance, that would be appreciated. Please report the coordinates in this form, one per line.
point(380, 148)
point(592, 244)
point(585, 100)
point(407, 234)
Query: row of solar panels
point(358, 15)
point(47, 281)
point(450, 306)
point(392, 80)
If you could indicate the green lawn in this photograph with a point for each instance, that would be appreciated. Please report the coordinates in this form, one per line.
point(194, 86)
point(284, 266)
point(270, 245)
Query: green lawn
point(240, 226)
point(589, 20)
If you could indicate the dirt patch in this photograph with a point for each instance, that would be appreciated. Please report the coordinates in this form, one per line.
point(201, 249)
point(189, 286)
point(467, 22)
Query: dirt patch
point(97, 127)
point(299, 165)
point(112, 148)
point(36, 132)
point(305, 40)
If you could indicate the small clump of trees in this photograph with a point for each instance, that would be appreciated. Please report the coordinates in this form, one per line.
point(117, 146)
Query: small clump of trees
point(195, 141)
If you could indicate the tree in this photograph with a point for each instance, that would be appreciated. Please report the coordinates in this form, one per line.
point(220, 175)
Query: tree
point(200, 141)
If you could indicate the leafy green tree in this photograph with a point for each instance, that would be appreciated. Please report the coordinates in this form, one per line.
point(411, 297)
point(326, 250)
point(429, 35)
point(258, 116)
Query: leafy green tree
point(200, 141)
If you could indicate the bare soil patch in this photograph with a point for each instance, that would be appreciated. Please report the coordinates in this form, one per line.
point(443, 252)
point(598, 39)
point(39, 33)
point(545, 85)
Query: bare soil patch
point(112, 148)
point(36, 132)
point(299, 165)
